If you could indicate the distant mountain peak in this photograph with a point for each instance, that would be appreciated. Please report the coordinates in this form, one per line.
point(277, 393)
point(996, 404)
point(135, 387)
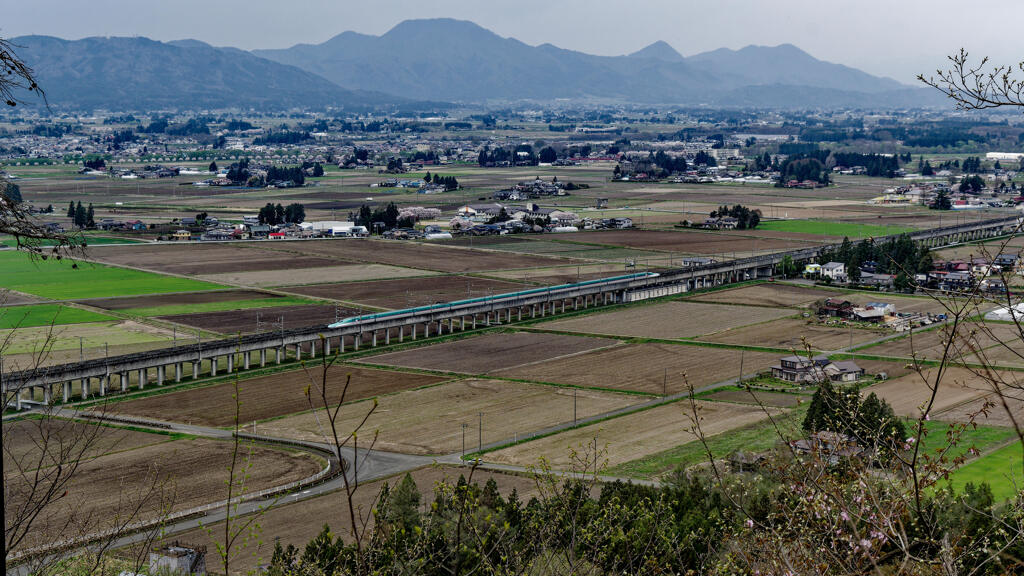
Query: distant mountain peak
point(659, 50)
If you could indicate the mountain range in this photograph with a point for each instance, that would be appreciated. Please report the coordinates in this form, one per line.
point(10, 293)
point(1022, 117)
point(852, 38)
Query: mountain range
point(440, 60)
point(134, 73)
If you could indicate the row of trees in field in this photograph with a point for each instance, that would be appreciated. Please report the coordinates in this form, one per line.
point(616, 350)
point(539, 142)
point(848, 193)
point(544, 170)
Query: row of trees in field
point(275, 214)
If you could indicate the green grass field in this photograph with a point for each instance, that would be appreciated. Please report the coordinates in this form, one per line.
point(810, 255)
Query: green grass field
point(1002, 470)
point(825, 228)
point(89, 240)
point(72, 336)
point(58, 280)
point(46, 314)
point(171, 310)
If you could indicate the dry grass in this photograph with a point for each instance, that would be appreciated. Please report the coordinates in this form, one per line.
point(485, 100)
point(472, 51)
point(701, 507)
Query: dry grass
point(429, 421)
point(652, 368)
point(668, 320)
point(632, 436)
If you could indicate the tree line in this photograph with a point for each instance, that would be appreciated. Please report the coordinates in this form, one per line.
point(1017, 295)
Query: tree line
point(82, 217)
point(899, 256)
point(275, 214)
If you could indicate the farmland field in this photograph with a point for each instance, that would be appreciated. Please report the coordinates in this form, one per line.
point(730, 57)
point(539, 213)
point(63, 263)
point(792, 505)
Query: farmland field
point(233, 321)
point(774, 399)
point(97, 491)
point(1001, 470)
point(58, 280)
point(988, 410)
point(186, 299)
point(929, 344)
point(772, 294)
point(45, 314)
point(301, 275)
point(653, 368)
point(429, 420)
point(404, 293)
point(631, 436)
point(270, 396)
point(192, 259)
point(787, 333)
point(88, 335)
point(827, 228)
point(490, 352)
point(687, 241)
point(908, 393)
point(417, 255)
point(667, 320)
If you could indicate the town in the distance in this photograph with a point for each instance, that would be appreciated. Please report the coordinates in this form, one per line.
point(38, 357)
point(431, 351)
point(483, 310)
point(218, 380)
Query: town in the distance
point(438, 301)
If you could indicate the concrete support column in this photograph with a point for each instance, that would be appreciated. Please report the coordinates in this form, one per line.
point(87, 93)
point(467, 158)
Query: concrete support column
point(213, 366)
point(341, 345)
point(387, 336)
point(67, 392)
point(373, 339)
point(195, 370)
point(426, 330)
point(586, 301)
point(177, 371)
point(474, 321)
point(231, 363)
point(312, 349)
point(543, 310)
point(278, 354)
point(160, 372)
point(245, 359)
point(48, 394)
point(327, 346)
point(263, 357)
point(103, 385)
point(355, 341)
point(519, 314)
point(85, 388)
point(298, 351)
point(143, 376)
point(575, 303)
point(414, 331)
point(401, 334)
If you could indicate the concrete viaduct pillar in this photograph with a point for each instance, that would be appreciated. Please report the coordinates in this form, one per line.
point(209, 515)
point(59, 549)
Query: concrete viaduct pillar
point(177, 371)
point(67, 391)
point(213, 366)
point(195, 369)
point(327, 346)
point(160, 373)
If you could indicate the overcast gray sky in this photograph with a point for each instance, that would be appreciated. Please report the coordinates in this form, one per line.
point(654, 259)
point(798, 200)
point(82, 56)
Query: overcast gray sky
point(896, 38)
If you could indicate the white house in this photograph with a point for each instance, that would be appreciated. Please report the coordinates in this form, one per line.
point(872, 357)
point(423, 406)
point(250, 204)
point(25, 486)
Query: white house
point(834, 270)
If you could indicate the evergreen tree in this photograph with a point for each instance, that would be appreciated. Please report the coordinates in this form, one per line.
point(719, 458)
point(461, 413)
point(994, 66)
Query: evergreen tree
point(12, 192)
point(80, 215)
point(71, 210)
point(213, 167)
point(90, 217)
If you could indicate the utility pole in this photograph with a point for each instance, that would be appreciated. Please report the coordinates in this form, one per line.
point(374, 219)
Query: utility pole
point(573, 406)
point(741, 368)
point(81, 349)
point(464, 426)
point(480, 435)
point(664, 383)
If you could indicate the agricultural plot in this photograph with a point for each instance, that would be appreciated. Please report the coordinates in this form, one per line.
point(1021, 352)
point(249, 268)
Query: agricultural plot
point(292, 525)
point(298, 276)
point(418, 255)
point(632, 436)
point(757, 397)
point(667, 320)
point(245, 321)
point(181, 299)
point(27, 344)
point(46, 314)
point(686, 241)
point(1001, 470)
point(269, 396)
point(792, 333)
point(405, 293)
point(430, 420)
point(771, 294)
point(988, 410)
point(22, 446)
point(107, 486)
point(565, 274)
point(191, 259)
point(909, 393)
point(911, 304)
point(490, 352)
point(825, 228)
point(59, 281)
point(650, 368)
point(12, 298)
point(969, 338)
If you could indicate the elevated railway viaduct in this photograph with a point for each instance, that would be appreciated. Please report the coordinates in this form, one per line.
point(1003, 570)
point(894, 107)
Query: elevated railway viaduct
point(96, 377)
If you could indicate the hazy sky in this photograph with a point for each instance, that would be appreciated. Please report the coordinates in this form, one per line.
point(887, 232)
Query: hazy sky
point(896, 38)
